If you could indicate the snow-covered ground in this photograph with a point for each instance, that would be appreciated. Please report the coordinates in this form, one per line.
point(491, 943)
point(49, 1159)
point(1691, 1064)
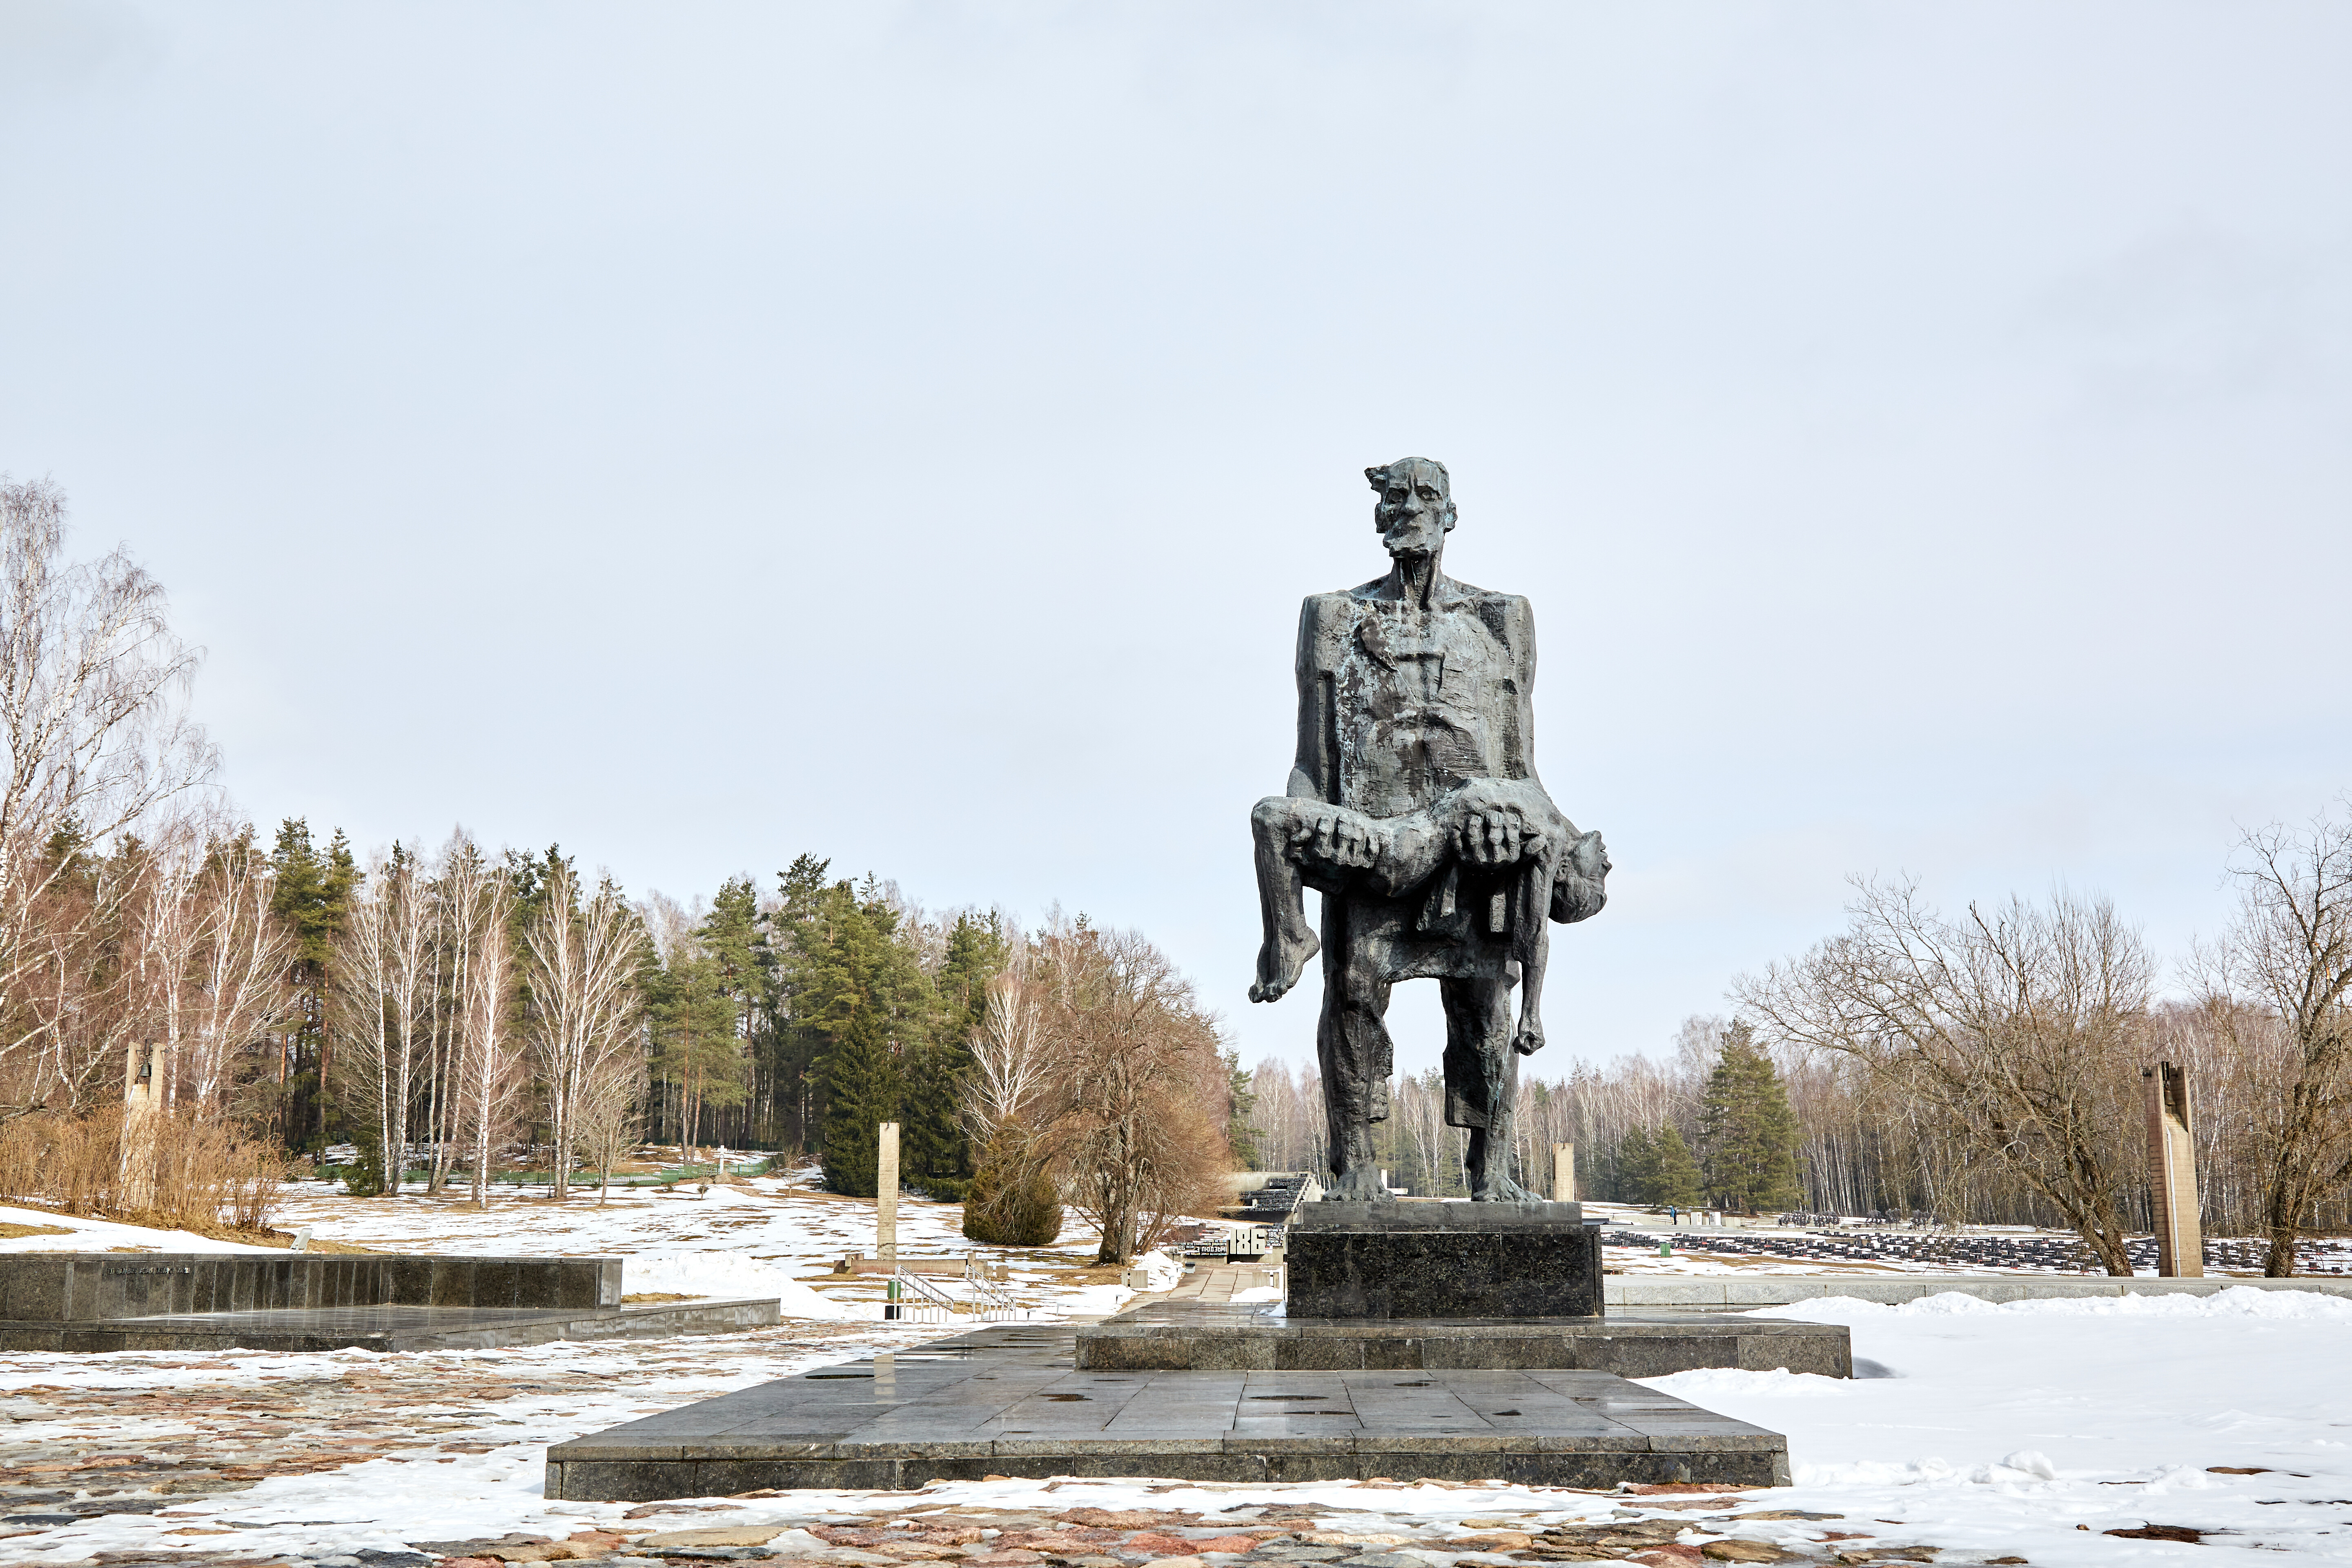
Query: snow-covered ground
point(1978, 1432)
point(2001, 1429)
point(71, 1233)
point(2027, 1430)
point(774, 1234)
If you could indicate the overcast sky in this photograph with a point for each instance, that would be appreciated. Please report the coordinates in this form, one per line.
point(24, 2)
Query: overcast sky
point(697, 433)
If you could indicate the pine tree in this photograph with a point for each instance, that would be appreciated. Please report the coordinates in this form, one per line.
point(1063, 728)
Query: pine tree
point(697, 1055)
point(1634, 1172)
point(743, 979)
point(859, 991)
point(791, 1048)
point(313, 894)
point(1748, 1134)
point(861, 1092)
point(1241, 1099)
point(1676, 1183)
point(937, 1155)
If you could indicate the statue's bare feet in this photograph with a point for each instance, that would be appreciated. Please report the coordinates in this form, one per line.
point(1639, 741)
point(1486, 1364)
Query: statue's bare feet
point(1501, 1190)
point(1358, 1186)
point(1281, 959)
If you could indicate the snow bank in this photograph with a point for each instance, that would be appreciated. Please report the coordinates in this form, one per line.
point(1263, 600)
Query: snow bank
point(1713, 1382)
point(1161, 1272)
point(2239, 1301)
point(727, 1274)
point(1093, 1301)
point(103, 1236)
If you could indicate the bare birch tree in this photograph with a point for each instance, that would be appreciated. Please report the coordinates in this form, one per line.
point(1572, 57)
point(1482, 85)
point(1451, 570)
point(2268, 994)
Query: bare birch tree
point(1009, 1060)
point(242, 956)
point(384, 995)
point(582, 976)
point(361, 1000)
point(487, 1059)
point(93, 687)
point(2286, 966)
point(2019, 1029)
point(607, 1116)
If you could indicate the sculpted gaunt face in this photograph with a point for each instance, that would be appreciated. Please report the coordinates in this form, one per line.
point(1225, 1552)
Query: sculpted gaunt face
point(1416, 510)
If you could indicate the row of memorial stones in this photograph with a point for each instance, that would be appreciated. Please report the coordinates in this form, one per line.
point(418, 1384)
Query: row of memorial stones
point(2052, 1254)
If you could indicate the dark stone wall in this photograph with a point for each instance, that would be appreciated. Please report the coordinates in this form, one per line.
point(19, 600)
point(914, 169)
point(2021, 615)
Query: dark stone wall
point(1443, 1260)
point(96, 1287)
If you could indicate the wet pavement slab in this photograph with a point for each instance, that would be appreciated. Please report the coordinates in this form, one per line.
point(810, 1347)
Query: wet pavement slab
point(1012, 1402)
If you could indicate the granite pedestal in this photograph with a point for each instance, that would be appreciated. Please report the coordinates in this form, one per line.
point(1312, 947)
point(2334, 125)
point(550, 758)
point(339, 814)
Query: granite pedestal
point(1173, 1336)
point(1012, 1402)
point(1398, 1260)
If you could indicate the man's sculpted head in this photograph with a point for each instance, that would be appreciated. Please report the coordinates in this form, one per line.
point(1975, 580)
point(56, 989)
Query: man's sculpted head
point(1416, 510)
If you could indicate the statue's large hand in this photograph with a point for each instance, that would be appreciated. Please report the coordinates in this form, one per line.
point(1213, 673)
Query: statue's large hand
point(1339, 839)
point(1484, 827)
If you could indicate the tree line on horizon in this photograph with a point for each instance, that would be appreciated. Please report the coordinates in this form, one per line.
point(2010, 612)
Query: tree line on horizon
point(1988, 1068)
point(447, 1013)
point(1985, 1067)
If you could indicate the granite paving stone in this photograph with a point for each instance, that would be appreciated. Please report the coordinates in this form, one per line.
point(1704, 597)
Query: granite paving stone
point(1012, 1402)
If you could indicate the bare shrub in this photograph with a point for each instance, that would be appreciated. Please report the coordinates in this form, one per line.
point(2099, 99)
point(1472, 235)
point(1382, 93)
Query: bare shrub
point(196, 1174)
point(1132, 1106)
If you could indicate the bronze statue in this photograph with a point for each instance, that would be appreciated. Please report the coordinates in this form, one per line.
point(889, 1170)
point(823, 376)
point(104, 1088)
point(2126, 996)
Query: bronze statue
point(1415, 809)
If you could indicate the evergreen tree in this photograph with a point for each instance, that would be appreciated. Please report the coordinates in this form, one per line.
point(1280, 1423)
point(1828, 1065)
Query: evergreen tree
point(937, 1155)
point(1633, 1173)
point(1241, 1097)
point(311, 892)
point(862, 996)
point(861, 1092)
point(743, 974)
point(1748, 1134)
point(1676, 1183)
point(696, 1056)
point(792, 1045)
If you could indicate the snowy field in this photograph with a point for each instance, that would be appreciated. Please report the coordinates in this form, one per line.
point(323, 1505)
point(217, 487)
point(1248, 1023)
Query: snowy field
point(2021, 1431)
point(771, 1237)
point(1979, 1433)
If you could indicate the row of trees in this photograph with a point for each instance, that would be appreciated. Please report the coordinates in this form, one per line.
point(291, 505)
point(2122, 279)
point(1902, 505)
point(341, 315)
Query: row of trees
point(1995, 1061)
point(1982, 1068)
point(1978, 1067)
point(436, 1010)
point(1712, 1128)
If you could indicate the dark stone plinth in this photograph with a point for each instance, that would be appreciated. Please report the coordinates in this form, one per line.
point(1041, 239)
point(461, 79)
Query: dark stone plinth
point(94, 1286)
point(385, 1327)
point(96, 1302)
point(1443, 1260)
point(1011, 1402)
point(1202, 1337)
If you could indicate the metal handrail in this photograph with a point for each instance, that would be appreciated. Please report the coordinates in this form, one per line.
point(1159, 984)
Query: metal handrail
point(934, 1305)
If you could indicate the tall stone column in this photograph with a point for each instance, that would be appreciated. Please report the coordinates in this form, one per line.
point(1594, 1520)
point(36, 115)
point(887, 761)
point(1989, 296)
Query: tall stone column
point(2172, 1173)
point(142, 1099)
point(1563, 1173)
point(885, 1197)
